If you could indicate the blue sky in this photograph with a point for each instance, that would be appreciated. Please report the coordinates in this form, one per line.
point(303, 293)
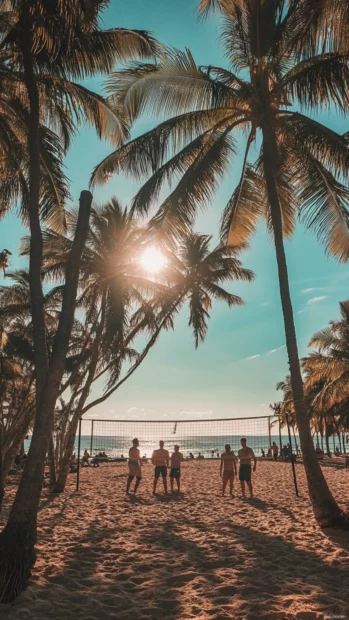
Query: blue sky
point(235, 371)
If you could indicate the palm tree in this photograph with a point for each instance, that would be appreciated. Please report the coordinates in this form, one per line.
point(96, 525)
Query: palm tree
point(300, 163)
point(327, 372)
point(120, 304)
point(49, 43)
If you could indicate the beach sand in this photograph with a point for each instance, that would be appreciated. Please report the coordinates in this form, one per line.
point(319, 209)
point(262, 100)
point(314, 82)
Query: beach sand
point(196, 555)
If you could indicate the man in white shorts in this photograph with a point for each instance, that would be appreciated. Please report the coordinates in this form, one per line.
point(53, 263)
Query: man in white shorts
point(228, 469)
point(134, 466)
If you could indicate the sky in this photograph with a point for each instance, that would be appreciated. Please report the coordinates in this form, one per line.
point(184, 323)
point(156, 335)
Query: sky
point(234, 373)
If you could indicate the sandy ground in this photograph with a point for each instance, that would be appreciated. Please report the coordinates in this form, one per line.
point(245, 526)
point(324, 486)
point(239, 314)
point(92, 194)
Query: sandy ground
point(195, 555)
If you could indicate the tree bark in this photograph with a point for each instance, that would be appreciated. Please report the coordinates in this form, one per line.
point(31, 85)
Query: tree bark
point(326, 510)
point(17, 540)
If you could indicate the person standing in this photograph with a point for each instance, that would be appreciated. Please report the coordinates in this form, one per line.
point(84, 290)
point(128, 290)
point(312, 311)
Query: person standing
point(175, 473)
point(275, 451)
point(228, 469)
point(161, 461)
point(246, 454)
point(134, 466)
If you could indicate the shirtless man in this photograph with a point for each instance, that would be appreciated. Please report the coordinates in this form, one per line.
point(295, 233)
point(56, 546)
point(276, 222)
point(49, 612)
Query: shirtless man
point(175, 473)
point(134, 466)
point(228, 469)
point(245, 456)
point(161, 460)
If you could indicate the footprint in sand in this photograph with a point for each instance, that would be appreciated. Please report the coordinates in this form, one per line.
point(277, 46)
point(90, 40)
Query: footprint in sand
point(226, 590)
point(181, 580)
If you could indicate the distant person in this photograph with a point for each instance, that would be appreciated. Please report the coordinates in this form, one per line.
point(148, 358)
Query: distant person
point(17, 461)
point(246, 454)
point(212, 454)
point(217, 454)
point(134, 466)
point(275, 451)
point(85, 458)
point(23, 459)
point(337, 453)
point(263, 453)
point(73, 464)
point(161, 461)
point(175, 473)
point(191, 456)
point(228, 469)
point(269, 452)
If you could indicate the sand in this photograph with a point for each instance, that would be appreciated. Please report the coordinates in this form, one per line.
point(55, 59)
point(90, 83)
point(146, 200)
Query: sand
point(196, 555)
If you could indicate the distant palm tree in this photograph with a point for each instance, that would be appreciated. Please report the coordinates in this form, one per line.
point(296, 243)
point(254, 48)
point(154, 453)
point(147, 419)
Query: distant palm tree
point(120, 303)
point(327, 375)
point(299, 166)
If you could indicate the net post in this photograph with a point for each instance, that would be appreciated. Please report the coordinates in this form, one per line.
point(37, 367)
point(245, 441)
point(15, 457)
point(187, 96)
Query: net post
point(269, 431)
point(78, 468)
point(91, 444)
point(292, 461)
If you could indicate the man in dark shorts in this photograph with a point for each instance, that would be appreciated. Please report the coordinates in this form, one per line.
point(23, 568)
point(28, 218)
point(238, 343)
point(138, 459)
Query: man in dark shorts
point(246, 454)
point(175, 473)
point(161, 460)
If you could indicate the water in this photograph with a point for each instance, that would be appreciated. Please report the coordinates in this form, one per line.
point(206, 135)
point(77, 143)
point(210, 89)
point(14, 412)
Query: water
point(116, 446)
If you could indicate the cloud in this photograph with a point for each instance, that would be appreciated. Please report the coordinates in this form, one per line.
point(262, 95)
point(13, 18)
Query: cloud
point(301, 311)
point(266, 304)
point(277, 349)
point(252, 357)
point(197, 413)
point(311, 290)
point(315, 300)
point(135, 409)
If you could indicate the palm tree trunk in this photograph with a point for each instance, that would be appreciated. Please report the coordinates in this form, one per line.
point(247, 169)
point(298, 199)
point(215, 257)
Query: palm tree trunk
point(2, 480)
point(17, 540)
point(343, 442)
point(327, 438)
point(295, 440)
point(51, 460)
point(73, 425)
point(326, 510)
point(64, 463)
point(36, 241)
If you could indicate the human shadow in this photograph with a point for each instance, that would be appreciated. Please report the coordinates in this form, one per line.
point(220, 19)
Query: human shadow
point(266, 567)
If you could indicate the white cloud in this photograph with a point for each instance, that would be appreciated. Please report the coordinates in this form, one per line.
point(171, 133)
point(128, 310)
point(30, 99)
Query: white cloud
point(135, 409)
point(315, 300)
point(252, 357)
point(277, 349)
point(305, 291)
point(197, 413)
point(266, 304)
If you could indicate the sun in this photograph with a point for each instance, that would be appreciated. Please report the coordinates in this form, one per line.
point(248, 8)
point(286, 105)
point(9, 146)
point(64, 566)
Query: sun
point(153, 260)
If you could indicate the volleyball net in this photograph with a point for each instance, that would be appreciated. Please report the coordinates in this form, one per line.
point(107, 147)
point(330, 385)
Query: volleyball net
point(196, 438)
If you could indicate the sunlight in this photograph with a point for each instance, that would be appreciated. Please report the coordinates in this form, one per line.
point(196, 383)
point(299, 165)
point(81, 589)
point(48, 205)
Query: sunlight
point(153, 260)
